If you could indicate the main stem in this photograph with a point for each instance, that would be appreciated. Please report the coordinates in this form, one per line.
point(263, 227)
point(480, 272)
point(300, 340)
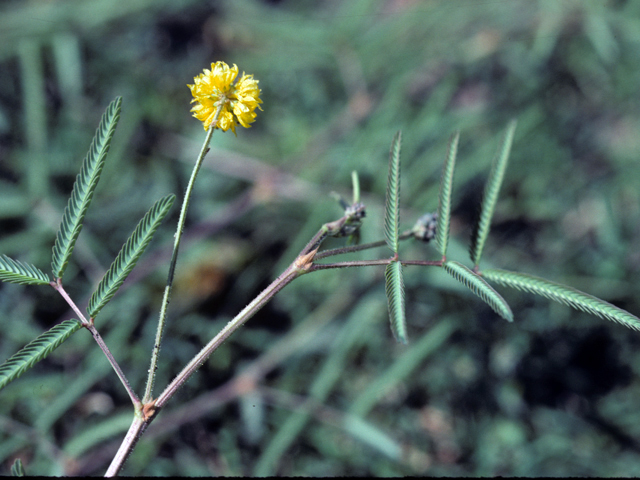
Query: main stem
point(145, 415)
point(174, 258)
point(249, 311)
point(143, 418)
point(137, 428)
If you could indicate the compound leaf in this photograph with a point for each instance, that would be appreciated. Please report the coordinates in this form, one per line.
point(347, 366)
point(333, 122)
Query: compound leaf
point(13, 271)
point(563, 294)
point(490, 196)
point(129, 255)
point(480, 287)
point(392, 204)
point(83, 189)
point(36, 351)
point(394, 287)
point(444, 198)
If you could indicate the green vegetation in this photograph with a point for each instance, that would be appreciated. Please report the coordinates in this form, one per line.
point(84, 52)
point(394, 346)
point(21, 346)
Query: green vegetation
point(315, 384)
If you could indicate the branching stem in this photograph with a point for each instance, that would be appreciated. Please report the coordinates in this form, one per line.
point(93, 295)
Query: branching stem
point(249, 311)
point(354, 263)
point(88, 324)
point(143, 418)
point(358, 248)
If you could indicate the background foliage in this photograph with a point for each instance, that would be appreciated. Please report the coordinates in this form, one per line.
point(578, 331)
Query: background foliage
point(315, 384)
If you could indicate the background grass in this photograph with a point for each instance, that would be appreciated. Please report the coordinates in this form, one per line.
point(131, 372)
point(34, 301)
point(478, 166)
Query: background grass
point(314, 384)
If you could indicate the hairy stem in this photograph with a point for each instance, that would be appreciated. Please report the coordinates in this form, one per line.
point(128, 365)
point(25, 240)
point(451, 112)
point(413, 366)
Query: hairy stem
point(354, 263)
point(143, 419)
point(134, 433)
point(114, 364)
point(302, 264)
point(423, 263)
point(174, 258)
point(145, 415)
point(358, 248)
point(57, 285)
point(249, 311)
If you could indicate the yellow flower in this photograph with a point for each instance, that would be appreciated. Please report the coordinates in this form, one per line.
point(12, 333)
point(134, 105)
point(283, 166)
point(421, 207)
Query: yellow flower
point(215, 87)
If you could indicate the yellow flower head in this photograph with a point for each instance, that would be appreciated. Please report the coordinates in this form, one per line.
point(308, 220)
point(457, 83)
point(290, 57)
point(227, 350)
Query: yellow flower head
point(215, 87)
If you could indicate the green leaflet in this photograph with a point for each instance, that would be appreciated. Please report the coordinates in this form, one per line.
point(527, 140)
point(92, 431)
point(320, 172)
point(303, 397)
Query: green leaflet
point(17, 469)
point(373, 436)
point(83, 189)
point(444, 198)
point(490, 196)
point(13, 271)
point(355, 181)
point(36, 351)
point(480, 287)
point(394, 287)
point(563, 294)
point(354, 238)
point(129, 255)
point(392, 204)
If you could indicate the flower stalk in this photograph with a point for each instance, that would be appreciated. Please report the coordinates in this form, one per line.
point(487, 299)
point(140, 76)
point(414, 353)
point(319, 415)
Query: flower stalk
point(174, 259)
point(220, 104)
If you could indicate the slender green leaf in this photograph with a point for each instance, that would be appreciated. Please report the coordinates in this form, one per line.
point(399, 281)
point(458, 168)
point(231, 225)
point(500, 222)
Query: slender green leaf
point(17, 469)
point(394, 287)
point(129, 255)
point(13, 271)
point(392, 204)
point(403, 367)
point(490, 197)
point(480, 287)
point(83, 189)
point(563, 294)
point(36, 351)
point(97, 433)
point(371, 435)
point(355, 180)
point(354, 238)
point(444, 199)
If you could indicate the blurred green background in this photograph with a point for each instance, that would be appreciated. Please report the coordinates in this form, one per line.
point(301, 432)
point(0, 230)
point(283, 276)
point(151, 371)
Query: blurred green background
point(314, 384)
